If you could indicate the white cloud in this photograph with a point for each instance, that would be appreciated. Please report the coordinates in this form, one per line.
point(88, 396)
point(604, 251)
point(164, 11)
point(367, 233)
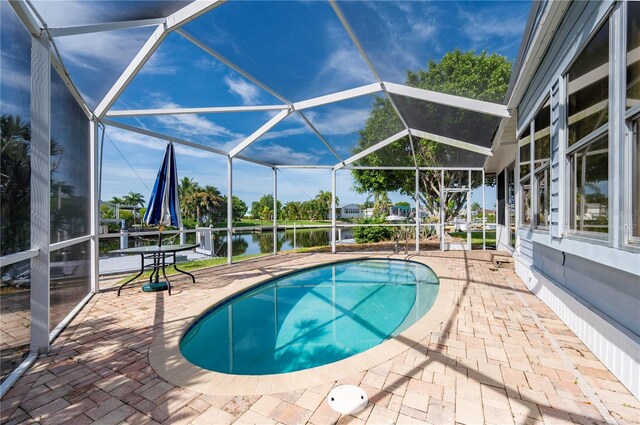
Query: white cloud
point(344, 66)
point(278, 154)
point(276, 134)
point(114, 170)
point(248, 92)
point(159, 64)
point(16, 80)
point(401, 35)
point(122, 136)
point(114, 49)
point(422, 29)
point(339, 120)
point(487, 26)
point(190, 125)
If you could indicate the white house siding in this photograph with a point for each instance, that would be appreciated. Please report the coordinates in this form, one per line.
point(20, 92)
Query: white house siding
point(350, 211)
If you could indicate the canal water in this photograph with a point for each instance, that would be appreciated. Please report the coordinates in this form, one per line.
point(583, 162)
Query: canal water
point(244, 243)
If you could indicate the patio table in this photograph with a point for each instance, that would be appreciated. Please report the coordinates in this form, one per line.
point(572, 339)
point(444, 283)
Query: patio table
point(158, 256)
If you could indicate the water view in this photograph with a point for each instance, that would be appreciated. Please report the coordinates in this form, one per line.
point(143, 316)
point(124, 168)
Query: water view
point(243, 243)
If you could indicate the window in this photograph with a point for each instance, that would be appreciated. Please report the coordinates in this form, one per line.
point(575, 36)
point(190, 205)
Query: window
point(588, 141)
point(525, 190)
point(525, 152)
point(635, 182)
point(589, 187)
point(525, 177)
point(511, 204)
point(632, 102)
point(541, 164)
point(542, 184)
point(588, 88)
point(633, 54)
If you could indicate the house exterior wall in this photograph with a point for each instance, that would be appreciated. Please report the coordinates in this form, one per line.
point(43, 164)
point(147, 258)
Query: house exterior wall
point(350, 211)
point(593, 285)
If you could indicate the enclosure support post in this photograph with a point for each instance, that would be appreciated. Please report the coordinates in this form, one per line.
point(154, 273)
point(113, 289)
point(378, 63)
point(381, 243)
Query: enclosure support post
point(40, 191)
point(95, 206)
point(442, 214)
point(484, 217)
point(469, 240)
point(417, 217)
point(229, 210)
point(333, 211)
point(275, 210)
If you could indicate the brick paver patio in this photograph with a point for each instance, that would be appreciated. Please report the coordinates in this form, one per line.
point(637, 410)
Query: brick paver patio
point(501, 357)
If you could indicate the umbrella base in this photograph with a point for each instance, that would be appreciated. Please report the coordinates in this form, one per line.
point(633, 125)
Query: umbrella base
point(155, 286)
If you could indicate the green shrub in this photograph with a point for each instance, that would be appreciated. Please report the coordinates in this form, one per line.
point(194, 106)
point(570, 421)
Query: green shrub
point(371, 234)
point(189, 223)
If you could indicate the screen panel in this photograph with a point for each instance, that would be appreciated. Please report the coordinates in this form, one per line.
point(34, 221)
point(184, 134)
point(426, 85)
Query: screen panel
point(181, 74)
point(298, 49)
point(62, 13)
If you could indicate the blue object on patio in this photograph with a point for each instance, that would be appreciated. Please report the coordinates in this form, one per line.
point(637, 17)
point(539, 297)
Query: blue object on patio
point(164, 204)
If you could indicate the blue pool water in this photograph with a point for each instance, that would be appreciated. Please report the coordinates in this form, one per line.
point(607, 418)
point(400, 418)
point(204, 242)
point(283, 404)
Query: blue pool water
point(311, 318)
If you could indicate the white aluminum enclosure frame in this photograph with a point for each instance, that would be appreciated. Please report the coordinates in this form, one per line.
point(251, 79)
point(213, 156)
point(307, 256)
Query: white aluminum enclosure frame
point(45, 56)
point(172, 23)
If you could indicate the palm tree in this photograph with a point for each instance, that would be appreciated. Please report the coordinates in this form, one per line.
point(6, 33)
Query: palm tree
point(15, 184)
point(212, 202)
point(15, 157)
point(325, 201)
point(134, 198)
point(381, 203)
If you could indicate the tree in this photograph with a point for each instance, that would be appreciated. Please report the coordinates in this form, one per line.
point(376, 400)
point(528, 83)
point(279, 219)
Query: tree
point(187, 186)
point(291, 211)
point(263, 208)
point(238, 206)
point(475, 206)
point(134, 198)
point(15, 186)
point(204, 205)
point(15, 169)
point(380, 203)
point(479, 76)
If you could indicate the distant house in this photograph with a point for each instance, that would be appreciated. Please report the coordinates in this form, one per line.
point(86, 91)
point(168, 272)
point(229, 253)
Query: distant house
point(400, 211)
point(349, 211)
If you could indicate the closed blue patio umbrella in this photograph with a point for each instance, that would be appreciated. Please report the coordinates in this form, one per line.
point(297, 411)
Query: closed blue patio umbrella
point(164, 204)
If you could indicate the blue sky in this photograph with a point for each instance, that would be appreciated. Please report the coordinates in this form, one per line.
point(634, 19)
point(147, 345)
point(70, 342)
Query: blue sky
point(299, 50)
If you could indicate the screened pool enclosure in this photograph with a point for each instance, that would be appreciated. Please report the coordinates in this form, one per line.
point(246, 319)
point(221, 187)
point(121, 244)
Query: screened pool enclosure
point(57, 116)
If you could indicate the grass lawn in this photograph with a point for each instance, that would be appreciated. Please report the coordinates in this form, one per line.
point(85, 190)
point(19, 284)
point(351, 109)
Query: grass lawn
point(194, 265)
point(476, 237)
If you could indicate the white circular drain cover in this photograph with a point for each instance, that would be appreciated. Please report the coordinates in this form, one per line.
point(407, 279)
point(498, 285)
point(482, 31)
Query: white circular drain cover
point(347, 399)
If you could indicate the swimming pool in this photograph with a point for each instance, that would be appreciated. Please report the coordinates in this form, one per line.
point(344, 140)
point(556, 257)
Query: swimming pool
point(311, 318)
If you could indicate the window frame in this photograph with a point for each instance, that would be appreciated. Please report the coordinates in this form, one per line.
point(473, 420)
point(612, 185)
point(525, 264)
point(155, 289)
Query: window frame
point(592, 137)
point(511, 216)
point(594, 236)
point(523, 178)
point(632, 131)
point(546, 228)
point(632, 123)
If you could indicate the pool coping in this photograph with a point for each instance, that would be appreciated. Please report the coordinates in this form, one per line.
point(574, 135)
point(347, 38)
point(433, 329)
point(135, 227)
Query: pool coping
point(169, 363)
